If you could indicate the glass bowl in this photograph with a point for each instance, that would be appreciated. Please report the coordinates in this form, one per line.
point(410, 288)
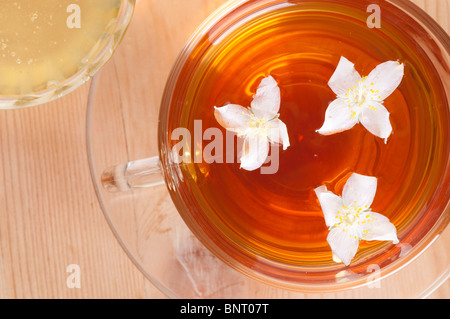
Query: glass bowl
point(99, 54)
point(124, 108)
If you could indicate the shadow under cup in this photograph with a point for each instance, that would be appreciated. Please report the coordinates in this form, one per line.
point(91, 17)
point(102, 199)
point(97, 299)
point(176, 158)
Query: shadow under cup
point(417, 195)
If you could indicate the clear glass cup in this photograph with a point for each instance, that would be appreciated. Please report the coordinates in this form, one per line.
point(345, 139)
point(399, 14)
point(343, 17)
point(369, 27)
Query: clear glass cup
point(100, 52)
point(143, 205)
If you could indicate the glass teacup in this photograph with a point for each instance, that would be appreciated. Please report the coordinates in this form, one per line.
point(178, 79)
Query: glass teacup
point(427, 214)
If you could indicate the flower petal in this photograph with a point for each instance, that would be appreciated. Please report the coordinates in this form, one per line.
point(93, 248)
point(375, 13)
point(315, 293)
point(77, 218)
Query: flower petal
point(380, 228)
point(359, 190)
point(266, 101)
point(338, 117)
point(330, 204)
point(278, 133)
point(344, 78)
point(343, 245)
point(232, 117)
point(320, 189)
point(375, 118)
point(386, 77)
point(255, 152)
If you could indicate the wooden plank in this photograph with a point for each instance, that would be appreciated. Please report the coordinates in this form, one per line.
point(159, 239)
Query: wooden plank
point(50, 217)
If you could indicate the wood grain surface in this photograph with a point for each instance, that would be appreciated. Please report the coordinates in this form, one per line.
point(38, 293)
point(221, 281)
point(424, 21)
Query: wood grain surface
point(50, 217)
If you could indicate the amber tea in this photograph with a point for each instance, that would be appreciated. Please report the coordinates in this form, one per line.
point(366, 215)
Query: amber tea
point(273, 223)
point(44, 43)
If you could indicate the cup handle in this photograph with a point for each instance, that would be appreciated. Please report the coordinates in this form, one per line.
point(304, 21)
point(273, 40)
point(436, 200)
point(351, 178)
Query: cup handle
point(133, 175)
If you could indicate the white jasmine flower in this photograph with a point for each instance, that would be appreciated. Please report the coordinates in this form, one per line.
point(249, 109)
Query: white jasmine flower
point(360, 99)
point(350, 218)
point(259, 124)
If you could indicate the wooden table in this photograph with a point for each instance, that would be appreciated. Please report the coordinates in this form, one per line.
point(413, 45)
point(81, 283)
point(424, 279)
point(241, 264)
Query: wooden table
point(50, 217)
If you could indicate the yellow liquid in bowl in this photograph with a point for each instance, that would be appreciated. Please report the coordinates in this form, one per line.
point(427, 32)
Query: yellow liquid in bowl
point(45, 42)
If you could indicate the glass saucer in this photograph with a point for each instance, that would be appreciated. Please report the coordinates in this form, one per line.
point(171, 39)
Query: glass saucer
point(122, 126)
